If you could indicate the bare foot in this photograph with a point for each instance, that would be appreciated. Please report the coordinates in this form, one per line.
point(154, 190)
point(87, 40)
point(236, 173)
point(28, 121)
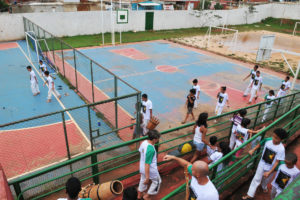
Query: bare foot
point(246, 197)
point(35, 94)
point(38, 93)
point(249, 103)
point(59, 96)
point(49, 100)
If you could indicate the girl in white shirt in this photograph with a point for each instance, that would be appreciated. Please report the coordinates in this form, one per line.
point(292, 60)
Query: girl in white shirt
point(200, 130)
point(223, 150)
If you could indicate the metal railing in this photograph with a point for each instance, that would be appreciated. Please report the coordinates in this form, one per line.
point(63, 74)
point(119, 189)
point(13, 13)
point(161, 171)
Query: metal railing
point(105, 164)
point(234, 169)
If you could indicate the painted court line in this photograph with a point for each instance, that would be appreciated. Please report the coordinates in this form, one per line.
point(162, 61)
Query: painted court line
point(61, 104)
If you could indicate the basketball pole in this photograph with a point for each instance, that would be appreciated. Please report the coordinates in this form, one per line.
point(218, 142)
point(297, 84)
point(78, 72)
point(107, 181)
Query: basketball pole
point(112, 24)
point(296, 76)
point(102, 22)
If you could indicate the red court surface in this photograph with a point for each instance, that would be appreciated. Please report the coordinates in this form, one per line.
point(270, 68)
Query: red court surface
point(131, 53)
point(24, 150)
point(107, 109)
point(4, 46)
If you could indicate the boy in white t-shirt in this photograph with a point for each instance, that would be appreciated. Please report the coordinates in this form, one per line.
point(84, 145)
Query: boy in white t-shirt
point(200, 186)
point(148, 167)
point(146, 108)
point(73, 187)
point(268, 105)
point(43, 68)
point(197, 88)
point(273, 153)
point(255, 86)
point(252, 75)
point(222, 99)
point(286, 173)
point(286, 85)
point(51, 87)
point(34, 82)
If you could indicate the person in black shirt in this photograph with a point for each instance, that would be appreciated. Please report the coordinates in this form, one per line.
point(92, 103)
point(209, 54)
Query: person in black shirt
point(190, 105)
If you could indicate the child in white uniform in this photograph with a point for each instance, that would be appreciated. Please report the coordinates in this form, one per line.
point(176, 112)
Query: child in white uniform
point(286, 173)
point(252, 75)
point(236, 120)
point(51, 86)
point(197, 88)
point(43, 68)
point(268, 105)
point(34, 82)
point(222, 99)
point(255, 86)
point(273, 153)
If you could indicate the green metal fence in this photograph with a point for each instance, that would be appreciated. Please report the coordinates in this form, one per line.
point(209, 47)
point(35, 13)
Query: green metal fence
point(105, 164)
point(231, 176)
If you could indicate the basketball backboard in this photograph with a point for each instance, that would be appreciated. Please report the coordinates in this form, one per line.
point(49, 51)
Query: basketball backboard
point(265, 47)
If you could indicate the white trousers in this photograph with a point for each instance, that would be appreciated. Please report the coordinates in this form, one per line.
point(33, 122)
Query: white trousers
point(267, 109)
point(232, 140)
point(196, 102)
point(219, 109)
point(50, 91)
point(35, 87)
point(248, 89)
point(257, 180)
point(253, 94)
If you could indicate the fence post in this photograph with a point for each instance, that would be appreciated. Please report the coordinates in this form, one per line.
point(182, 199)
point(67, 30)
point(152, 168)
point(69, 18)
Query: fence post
point(95, 168)
point(138, 113)
point(92, 79)
point(38, 30)
point(75, 70)
point(18, 191)
point(90, 128)
point(293, 98)
point(62, 57)
point(214, 172)
point(116, 102)
point(52, 38)
point(275, 113)
point(257, 115)
point(66, 136)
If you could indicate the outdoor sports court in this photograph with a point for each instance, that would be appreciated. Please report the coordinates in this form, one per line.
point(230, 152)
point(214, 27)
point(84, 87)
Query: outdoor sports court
point(165, 71)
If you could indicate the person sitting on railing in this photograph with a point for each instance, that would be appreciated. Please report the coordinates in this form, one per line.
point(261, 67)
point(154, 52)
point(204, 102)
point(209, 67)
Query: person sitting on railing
point(73, 187)
point(200, 130)
point(223, 150)
point(200, 187)
point(286, 173)
point(236, 120)
point(273, 153)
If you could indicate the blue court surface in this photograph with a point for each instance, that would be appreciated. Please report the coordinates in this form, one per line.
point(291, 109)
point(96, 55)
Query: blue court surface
point(165, 72)
point(18, 103)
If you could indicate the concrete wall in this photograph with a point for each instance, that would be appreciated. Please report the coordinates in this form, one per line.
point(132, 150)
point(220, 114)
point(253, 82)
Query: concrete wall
point(84, 23)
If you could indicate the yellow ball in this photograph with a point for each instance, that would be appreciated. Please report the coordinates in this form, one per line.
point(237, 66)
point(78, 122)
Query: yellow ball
point(187, 147)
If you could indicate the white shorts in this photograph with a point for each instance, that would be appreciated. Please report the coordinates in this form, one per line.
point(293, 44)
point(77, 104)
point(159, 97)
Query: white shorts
point(154, 187)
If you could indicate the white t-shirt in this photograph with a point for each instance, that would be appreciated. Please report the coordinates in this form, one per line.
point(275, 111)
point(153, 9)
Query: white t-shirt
point(271, 153)
point(197, 88)
point(148, 156)
point(222, 99)
point(210, 150)
point(257, 81)
point(281, 93)
point(252, 75)
point(198, 135)
point(268, 98)
point(50, 81)
point(241, 135)
point(43, 67)
point(32, 77)
point(284, 177)
point(202, 192)
point(146, 107)
point(214, 158)
point(287, 84)
point(237, 120)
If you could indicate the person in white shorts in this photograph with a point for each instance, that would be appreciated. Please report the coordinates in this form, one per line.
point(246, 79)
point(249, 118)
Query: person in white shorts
point(34, 82)
point(146, 110)
point(148, 167)
point(51, 86)
point(200, 186)
point(268, 105)
point(222, 99)
point(286, 173)
point(252, 75)
point(197, 88)
point(272, 154)
point(255, 86)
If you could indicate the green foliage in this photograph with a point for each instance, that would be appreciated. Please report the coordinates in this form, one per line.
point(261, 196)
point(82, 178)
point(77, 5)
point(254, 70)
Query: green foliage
point(3, 6)
point(207, 5)
point(218, 6)
point(252, 9)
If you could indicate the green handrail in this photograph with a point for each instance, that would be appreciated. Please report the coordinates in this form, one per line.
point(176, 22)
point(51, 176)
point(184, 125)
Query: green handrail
point(215, 165)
